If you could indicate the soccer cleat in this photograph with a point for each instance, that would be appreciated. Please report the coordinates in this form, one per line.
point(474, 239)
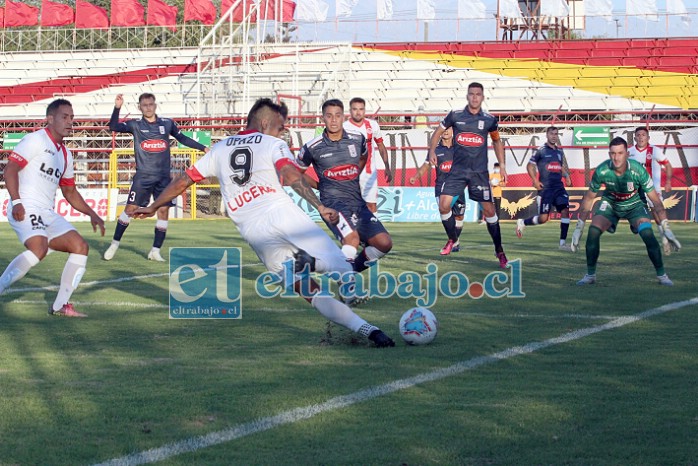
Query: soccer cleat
point(155, 256)
point(502, 259)
point(456, 246)
point(664, 280)
point(446, 250)
point(566, 247)
point(111, 250)
point(380, 339)
point(301, 259)
point(66, 311)
point(666, 246)
point(587, 280)
point(520, 227)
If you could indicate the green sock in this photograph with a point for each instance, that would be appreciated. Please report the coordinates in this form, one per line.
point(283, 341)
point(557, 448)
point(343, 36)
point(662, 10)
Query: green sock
point(593, 248)
point(653, 249)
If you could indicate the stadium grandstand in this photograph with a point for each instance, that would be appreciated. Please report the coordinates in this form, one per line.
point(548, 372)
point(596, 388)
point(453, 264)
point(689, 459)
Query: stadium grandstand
point(206, 72)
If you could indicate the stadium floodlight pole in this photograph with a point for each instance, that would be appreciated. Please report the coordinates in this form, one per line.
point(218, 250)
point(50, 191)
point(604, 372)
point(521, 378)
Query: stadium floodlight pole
point(210, 37)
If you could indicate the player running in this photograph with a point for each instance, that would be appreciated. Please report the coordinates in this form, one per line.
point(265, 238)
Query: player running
point(444, 157)
point(370, 129)
point(622, 179)
point(548, 162)
point(248, 166)
point(338, 157)
point(151, 145)
point(470, 129)
point(35, 169)
point(653, 160)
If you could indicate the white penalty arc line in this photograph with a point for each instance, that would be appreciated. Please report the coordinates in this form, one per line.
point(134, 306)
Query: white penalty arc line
point(307, 412)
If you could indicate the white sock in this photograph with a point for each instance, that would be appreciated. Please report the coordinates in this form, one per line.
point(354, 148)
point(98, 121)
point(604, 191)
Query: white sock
point(349, 251)
point(563, 242)
point(125, 219)
point(373, 253)
point(535, 220)
point(161, 224)
point(459, 223)
point(492, 220)
point(72, 274)
point(18, 268)
point(337, 312)
point(154, 249)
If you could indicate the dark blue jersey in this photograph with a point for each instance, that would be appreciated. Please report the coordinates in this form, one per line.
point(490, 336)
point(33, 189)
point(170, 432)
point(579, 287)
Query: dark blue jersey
point(444, 160)
point(151, 142)
point(549, 161)
point(337, 166)
point(470, 138)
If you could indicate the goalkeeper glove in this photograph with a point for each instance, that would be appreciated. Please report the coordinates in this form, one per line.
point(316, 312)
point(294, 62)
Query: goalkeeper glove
point(668, 234)
point(577, 235)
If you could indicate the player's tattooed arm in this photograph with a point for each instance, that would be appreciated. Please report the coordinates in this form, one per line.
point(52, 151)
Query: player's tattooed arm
point(296, 180)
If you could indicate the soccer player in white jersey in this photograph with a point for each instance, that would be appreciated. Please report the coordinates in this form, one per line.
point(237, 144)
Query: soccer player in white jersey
point(368, 179)
point(36, 168)
point(654, 160)
point(248, 166)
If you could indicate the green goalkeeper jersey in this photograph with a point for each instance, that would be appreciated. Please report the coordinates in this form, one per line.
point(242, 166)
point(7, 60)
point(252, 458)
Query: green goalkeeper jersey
point(622, 190)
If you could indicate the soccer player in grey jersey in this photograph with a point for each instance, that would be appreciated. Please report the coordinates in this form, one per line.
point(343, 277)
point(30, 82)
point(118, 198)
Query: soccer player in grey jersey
point(338, 158)
point(548, 163)
point(151, 145)
point(471, 126)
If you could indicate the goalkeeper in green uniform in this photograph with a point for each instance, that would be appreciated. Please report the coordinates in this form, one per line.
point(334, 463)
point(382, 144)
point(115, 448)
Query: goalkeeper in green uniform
point(622, 179)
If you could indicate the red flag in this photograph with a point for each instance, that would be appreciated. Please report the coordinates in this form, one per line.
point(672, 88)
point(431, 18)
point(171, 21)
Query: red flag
point(267, 10)
point(127, 13)
point(200, 10)
point(2, 17)
point(56, 14)
point(162, 14)
point(89, 16)
point(20, 14)
point(240, 11)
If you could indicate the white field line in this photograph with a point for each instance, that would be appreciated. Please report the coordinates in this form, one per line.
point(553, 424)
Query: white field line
point(307, 412)
point(362, 310)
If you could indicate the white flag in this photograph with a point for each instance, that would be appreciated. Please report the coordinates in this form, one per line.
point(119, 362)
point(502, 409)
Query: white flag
point(599, 8)
point(509, 9)
point(645, 8)
point(676, 7)
point(311, 10)
point(471, 9)
point(344, 7)
point(384, 9)
point(554, 8)
point(426, 10)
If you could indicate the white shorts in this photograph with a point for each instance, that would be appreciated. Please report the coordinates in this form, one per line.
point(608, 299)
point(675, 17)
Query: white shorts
point(369, 186)
point(278, 234)
point(40, 222)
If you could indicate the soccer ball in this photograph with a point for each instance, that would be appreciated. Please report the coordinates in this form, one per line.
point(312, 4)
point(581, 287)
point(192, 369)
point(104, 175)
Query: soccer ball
point(418, 326)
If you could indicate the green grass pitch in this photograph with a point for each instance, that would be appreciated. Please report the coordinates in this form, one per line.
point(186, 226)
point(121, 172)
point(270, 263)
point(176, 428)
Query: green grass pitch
point(128, 379)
